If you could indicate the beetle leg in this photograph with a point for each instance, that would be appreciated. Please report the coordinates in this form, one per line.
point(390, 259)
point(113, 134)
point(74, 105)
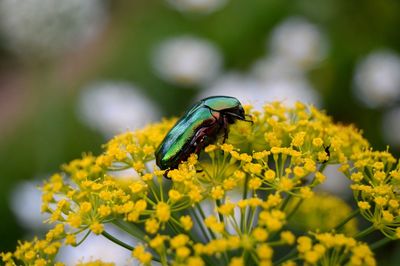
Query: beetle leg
point(201, 143)
point(328, 153)
point(225, 127)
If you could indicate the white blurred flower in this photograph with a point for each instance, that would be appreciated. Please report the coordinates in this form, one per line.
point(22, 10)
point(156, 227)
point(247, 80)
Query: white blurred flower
point(187, 61)
point(281, 80)
point(43, 28)
point(275, 68)
point(391, 126)
point(197, 6)
point(290, 91)
point(26, 201)
point(114, 107)
point(246, 89)
point(98, 248)
point(299, 41)
point(377, 79)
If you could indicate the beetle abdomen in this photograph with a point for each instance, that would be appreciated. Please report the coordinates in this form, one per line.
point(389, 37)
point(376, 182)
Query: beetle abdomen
point(176, 146)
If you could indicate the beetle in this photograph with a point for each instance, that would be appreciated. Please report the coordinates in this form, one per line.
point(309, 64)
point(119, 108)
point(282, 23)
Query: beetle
point(198, 127)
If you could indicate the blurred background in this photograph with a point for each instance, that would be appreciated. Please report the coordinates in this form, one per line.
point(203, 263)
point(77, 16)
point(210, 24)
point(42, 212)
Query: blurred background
point(74, 73)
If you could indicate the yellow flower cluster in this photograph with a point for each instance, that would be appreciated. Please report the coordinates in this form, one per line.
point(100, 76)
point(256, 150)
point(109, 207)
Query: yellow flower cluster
point(328, 213)
point(376, 179)
point(37, 252)
point(235, 203)
point(334, 249)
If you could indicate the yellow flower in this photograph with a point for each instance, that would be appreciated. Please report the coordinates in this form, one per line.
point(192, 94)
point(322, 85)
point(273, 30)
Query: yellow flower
point(269, 175)
point(151, 226)
point(255, 183)
point(357, 177)
point(381, 201)
point(260, 234)
point(97, 227)
point(306, 192)
point(288, 237)
point(299, 171)
point(217, 192)
point(304, 244)
point(186, 222)
point(70, 239)
point(387, 216)
point(298, 139)
point(74, 220)
point(311, 256)
point(213, 224)
point(264, 251)
point(364, 205)
point(104, 210)
point(236, 261)
point(179, 241)
point(137, 187)
point(285, 184)
point(182, 252)
point(317, 142)
point(226, 209)
point(195, 261)
point(163, 212)
point(174, 195)
point(210, 148)
point(141, 255)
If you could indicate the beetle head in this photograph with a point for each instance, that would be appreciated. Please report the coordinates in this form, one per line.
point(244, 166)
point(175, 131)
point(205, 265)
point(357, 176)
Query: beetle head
point(235, 113)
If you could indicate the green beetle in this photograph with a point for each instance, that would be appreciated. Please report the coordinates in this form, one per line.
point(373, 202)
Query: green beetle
point(198, 127)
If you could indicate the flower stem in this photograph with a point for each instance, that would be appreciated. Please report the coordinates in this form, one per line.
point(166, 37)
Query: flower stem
point(293, 211)
point(365, 232)
point(285, 202)
point(117, 241)
point(243, 213)
point(292, 253)
point(221, 217)
point(338, 227)
point(83, 239)
point(130, 229)
point(203, 216)
point(155, 257)
point(380, 243)
point(199, 222)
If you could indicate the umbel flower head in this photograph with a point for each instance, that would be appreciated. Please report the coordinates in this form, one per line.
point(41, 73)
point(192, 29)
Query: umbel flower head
point(248, 201)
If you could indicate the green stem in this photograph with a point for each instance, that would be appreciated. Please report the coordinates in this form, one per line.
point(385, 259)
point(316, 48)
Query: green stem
point(293, 211)
point(203, 230)
point(203, 216)
point(155, 257)
point(285, 202)
point(83, 239)
point(221, 217)
point(289, 255)
point(130, 229)
point(164, 260)
point(252, 217)
point(365, 232)
point(117, 241)
point(244, 196)
point(380, 243)
point(338, 227)
point(173, 227)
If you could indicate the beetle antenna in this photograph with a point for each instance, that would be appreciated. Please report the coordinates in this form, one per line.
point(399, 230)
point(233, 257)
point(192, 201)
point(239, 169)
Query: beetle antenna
point(239, 117)
point(251, 121)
